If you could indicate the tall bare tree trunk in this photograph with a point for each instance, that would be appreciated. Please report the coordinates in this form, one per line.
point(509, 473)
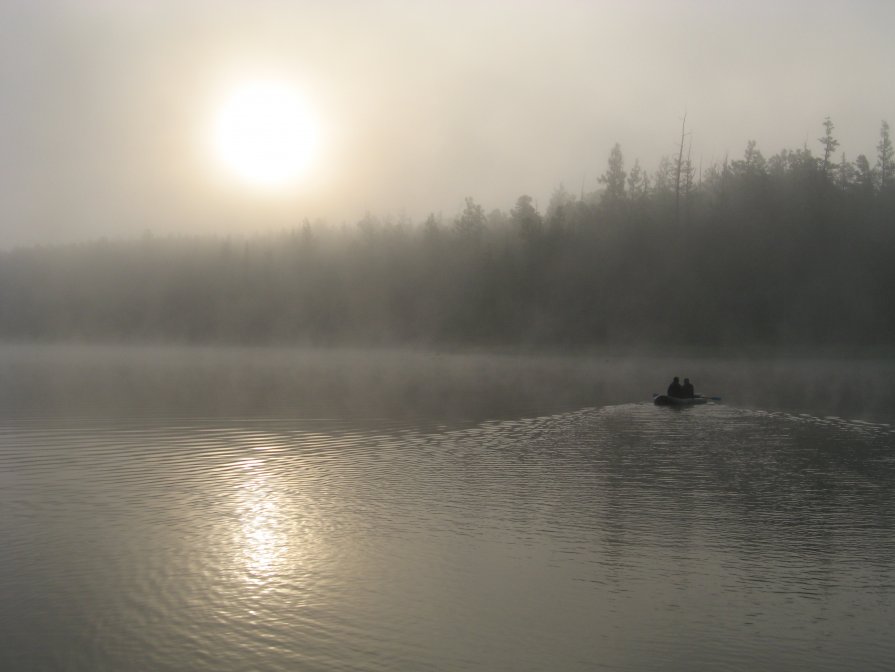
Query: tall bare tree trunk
point(677, 173)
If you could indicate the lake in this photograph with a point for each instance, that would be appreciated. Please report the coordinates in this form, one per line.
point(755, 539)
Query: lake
point(239, 509)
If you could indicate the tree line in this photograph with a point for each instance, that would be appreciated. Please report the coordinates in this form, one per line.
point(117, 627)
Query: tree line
point(788, 250)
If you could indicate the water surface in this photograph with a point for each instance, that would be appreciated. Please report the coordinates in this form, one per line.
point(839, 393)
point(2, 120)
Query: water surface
point(616, 536)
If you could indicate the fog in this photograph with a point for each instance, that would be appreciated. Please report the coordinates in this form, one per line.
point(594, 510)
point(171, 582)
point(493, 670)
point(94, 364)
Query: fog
point(420, 104)
point(791, 250)
point(43, 383)
point(333, 330)
point(571, 175)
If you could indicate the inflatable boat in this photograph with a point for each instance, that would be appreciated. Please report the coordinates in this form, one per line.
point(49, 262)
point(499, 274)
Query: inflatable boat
point(665, 400)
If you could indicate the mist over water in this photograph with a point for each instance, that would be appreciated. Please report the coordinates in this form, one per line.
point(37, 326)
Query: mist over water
point(329, 334)
point(231, 382)
point(614, 534)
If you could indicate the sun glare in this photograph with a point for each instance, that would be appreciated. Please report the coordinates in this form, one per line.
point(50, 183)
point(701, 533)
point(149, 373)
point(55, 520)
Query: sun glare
point(264, 134)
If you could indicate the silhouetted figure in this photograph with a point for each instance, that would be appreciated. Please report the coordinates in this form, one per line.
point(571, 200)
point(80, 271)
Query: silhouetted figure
point(676, 389)
point(687, 389)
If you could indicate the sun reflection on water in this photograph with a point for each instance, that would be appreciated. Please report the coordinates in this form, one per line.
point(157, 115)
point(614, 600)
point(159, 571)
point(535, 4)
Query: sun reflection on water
point(263, 545)
point(278, 551)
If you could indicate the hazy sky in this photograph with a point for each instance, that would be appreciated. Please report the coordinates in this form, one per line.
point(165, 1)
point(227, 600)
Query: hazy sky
point(107, 105)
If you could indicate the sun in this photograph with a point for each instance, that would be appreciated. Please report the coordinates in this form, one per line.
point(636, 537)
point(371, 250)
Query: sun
point(264, 134)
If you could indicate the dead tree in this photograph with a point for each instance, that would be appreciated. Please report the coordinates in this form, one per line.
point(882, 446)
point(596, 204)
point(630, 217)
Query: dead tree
point(679, 164)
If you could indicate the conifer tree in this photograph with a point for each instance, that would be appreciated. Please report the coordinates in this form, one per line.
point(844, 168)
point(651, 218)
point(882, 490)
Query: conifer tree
point(829, 143)
point(885, 162)
point(614, 177)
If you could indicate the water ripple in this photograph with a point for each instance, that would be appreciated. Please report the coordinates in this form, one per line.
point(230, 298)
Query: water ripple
point(614, 537)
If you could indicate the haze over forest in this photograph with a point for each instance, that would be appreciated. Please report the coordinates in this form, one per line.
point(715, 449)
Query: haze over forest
point(423, 172)
point(418, 103)
point(791, 249)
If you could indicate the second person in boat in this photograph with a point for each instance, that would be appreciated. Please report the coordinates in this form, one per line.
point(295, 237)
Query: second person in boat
point(676, 389)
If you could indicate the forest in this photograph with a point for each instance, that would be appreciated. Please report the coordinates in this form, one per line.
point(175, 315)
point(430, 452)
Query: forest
point(796, 249)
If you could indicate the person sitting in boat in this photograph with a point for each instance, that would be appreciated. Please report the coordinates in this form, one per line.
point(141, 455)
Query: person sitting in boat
point(676, 389)
point(687, 389)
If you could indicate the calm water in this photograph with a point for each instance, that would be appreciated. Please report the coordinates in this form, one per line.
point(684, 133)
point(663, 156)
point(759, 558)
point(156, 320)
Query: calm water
point(616, 536)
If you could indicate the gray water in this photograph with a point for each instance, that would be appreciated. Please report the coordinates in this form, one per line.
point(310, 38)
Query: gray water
point(469, 533)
